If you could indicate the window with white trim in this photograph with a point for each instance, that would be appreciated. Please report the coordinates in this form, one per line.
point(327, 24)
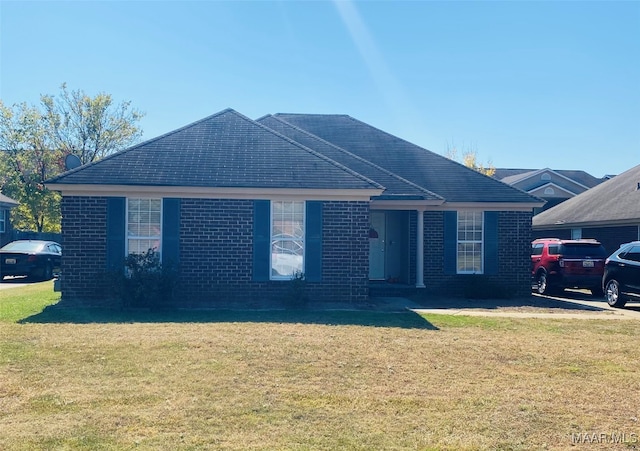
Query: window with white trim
point(470, 242)
point(144, 225)
point(287, 239)
point(576, 234)
point(3, 220)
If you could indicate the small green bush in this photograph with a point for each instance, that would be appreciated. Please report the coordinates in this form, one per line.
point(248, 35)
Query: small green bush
point(296, 296)
point(144, 282)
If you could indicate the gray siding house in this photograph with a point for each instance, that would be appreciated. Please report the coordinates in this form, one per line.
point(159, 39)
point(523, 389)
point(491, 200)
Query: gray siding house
point(552, 185)
point(241, 205)
point(6, 204)
point(609, 212)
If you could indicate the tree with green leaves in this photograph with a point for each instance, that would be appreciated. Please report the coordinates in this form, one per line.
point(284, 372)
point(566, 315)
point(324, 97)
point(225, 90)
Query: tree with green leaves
point(28, 159)
point(90, 127)
point(34, 141)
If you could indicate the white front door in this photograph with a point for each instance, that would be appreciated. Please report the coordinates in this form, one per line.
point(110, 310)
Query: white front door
point(377, 240)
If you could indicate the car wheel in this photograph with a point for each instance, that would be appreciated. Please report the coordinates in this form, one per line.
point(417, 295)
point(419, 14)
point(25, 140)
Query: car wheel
point(543, 284)
point(47, 273)
point(613, 295)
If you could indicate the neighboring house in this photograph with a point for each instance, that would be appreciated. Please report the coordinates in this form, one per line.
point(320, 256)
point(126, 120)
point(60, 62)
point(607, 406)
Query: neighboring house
point(6, 204)
point(241, 205)
point(609, 212)
point(554, 186)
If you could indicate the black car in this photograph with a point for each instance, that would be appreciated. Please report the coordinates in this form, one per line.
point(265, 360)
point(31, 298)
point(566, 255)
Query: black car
point(33, 258)
point(621, 280)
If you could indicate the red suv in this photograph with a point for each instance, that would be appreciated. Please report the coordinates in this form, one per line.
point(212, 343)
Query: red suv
point(558, 264)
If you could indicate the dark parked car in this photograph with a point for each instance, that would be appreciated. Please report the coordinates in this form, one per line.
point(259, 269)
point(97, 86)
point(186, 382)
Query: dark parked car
point(621, 280)
point(33, 258)
point(558, 264)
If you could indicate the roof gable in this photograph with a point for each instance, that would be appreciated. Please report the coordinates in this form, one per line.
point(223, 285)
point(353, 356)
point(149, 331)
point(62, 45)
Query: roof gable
point(615, 200)
point(530, 181)
point(433, 172)
point(549, 190)
point(226, 149)
point(512, 176)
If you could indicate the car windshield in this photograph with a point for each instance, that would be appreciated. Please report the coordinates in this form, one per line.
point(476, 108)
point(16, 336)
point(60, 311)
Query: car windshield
point(24, 246)
point(582, 250)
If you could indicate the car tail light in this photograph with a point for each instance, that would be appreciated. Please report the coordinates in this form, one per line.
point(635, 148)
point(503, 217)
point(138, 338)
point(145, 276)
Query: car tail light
point(32, 258)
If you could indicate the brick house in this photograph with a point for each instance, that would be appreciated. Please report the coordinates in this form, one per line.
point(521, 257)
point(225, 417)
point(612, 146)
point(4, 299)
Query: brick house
point(241, 205)
point(609, 212)
point(6, 204)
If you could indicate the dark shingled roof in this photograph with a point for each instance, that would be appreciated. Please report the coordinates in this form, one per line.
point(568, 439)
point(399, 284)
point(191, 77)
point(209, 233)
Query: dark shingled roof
point(395, 186)
point(226, 149)
point(615, 200)
point(433, 172)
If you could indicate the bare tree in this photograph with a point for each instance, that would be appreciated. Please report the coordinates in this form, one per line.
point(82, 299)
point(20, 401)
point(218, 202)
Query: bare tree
point(469, 158)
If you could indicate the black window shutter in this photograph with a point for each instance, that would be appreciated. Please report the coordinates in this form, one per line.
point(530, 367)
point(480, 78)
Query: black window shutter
point(491, 242)
point(170, 231)
point(261, 240)
point(450, 242)
point(313, 242)
point(115, 232)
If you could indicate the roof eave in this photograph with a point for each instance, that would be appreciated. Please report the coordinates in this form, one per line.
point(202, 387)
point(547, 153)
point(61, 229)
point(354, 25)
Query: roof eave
point(586, 224)
point(84, 190)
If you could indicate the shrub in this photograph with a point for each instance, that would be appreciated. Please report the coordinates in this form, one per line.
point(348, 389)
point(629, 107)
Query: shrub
point(296, 296)
point(144, 282)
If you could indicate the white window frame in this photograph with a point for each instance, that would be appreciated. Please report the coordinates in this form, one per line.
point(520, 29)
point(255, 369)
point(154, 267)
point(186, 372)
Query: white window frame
point(3, 220)
point(143, 237)
point(273, 239)
point(470, 241)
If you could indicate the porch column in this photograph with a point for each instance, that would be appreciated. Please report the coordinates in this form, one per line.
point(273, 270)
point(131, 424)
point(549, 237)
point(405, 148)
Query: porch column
point(420, 251)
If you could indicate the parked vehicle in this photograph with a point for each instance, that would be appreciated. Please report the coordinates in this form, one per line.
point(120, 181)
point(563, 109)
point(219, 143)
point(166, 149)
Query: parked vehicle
point(36, 259)
point(558, 264)
point(621, 279)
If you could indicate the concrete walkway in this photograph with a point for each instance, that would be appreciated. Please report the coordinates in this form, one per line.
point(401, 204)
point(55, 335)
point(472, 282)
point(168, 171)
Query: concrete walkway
point(566, 308)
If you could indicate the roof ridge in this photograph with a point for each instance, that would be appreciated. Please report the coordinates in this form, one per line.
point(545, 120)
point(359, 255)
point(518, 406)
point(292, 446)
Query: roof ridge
point(359, 158)
point(314, 152)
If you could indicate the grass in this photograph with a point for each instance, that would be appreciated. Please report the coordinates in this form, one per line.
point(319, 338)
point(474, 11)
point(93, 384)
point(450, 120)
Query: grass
point(308, 380)
point(20, 302)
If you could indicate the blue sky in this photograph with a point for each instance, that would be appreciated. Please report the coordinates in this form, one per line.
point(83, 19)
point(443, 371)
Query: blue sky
point(524, 84)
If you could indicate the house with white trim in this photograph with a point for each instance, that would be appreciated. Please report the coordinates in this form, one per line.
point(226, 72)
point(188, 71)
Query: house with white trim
point(241, 206)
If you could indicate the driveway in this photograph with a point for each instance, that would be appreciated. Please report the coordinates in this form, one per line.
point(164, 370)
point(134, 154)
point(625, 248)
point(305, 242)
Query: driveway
point(13, 282)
